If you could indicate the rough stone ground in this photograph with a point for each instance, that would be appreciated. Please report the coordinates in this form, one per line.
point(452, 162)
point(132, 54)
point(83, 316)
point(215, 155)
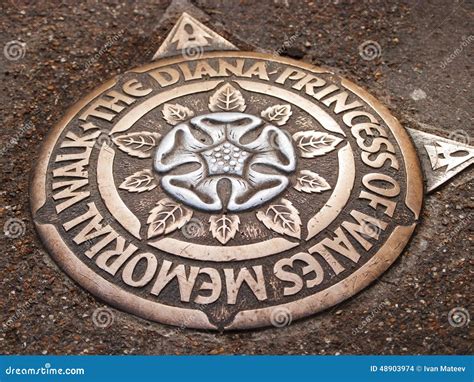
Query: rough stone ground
point(404, 312)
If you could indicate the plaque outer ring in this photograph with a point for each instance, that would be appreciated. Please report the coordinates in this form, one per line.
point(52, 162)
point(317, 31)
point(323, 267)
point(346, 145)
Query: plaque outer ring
point(118, 298)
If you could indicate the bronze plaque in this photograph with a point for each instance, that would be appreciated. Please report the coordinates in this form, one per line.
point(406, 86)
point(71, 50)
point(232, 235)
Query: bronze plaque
point(230, 191)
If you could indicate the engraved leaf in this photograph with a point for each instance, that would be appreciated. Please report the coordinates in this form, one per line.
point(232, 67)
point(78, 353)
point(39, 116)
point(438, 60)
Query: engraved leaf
point(283, 218)
point(166, 217)
point(175, 113)
point(308, 181)
point(277, 114)
point(139, 145)
point(314, 143)
point(139, 182)
point(227, 98)
point(224, 228)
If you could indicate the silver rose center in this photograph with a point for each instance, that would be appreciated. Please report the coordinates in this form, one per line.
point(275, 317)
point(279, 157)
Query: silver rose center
point(226, 160)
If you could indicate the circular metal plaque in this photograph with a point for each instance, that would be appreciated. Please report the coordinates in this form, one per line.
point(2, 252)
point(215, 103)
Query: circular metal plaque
point(231, 191)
